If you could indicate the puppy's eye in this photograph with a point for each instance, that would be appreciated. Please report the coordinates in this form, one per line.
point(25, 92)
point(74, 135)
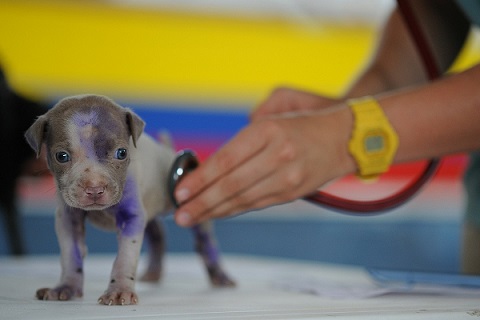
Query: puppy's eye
point(62, 157)
point(121, 154)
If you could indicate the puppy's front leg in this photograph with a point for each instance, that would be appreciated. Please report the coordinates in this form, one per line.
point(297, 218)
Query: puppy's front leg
point(131, 220)
point(70, 229)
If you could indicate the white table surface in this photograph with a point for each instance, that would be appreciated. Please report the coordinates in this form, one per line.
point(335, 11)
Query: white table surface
point(185, 294)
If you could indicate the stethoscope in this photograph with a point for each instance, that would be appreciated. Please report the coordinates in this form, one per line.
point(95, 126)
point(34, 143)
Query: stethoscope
point(186, 160)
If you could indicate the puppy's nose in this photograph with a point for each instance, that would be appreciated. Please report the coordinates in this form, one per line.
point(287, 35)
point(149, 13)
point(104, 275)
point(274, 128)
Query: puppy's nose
point(95, 192)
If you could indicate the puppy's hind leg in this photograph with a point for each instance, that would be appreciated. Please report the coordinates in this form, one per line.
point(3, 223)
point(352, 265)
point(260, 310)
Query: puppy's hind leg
point(206, 247)
point(155, 236)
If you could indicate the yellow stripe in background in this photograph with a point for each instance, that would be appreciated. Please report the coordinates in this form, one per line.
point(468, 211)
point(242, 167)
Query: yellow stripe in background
point(55, 48)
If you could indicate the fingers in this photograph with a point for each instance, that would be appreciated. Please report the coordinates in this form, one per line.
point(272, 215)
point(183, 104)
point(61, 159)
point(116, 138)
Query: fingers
point(275, 189)
point(237, 190)
point(225, 161)
point(219, 199)
point(283, 100)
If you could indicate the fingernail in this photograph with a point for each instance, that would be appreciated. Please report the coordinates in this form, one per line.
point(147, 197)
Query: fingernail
point(183, 219)
point(182, 195)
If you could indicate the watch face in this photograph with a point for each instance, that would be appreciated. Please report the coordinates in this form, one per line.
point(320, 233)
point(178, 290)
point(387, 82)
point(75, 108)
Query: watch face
point(374, 143)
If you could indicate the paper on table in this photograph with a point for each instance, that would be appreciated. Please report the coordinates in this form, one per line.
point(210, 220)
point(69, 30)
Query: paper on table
point(445, 285)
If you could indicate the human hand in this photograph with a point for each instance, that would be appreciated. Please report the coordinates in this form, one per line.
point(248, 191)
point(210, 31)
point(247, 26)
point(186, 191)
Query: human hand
point(271, 161)
point(284, 100)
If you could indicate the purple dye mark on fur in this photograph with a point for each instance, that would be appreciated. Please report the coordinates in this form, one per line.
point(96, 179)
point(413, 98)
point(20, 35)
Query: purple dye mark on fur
point(78, 257)
point(205, 245)
point(81, 120)
point(84, 119)
point(129, 219)
point(75, 220)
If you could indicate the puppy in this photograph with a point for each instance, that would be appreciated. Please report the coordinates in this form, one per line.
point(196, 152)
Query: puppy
point(110, 173)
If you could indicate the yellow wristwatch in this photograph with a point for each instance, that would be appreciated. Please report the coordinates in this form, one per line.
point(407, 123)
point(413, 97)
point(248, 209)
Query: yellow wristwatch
point(374, 142)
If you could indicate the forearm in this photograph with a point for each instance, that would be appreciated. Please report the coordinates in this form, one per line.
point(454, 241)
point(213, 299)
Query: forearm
point(394, 64)
point(436, 119)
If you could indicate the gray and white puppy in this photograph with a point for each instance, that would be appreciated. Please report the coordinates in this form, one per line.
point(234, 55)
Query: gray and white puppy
point(110, 173)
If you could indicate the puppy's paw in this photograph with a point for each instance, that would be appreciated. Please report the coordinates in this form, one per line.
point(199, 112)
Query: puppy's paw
point(219, 278)
point(151, 276)
point(60, 293)
point(118, 298)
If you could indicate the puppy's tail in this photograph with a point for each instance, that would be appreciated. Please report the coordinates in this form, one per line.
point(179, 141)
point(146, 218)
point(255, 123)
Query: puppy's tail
point(165, 138)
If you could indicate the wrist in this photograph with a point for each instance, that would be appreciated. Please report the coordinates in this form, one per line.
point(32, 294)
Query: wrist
point(342, 123)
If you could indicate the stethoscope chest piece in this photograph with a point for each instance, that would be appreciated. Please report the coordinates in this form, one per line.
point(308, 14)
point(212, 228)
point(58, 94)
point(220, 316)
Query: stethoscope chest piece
point(185, 162)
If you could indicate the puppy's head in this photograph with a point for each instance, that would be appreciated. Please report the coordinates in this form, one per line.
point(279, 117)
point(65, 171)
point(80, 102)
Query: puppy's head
point(89, 140)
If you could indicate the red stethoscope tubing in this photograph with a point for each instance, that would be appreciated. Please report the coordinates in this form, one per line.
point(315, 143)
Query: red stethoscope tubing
point(371, 207)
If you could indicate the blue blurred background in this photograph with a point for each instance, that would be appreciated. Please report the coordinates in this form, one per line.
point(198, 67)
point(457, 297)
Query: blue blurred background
point(196, 69)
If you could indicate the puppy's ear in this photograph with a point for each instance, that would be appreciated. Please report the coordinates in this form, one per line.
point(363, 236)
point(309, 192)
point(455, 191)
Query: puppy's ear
point(135, 125)
point(35, 135)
